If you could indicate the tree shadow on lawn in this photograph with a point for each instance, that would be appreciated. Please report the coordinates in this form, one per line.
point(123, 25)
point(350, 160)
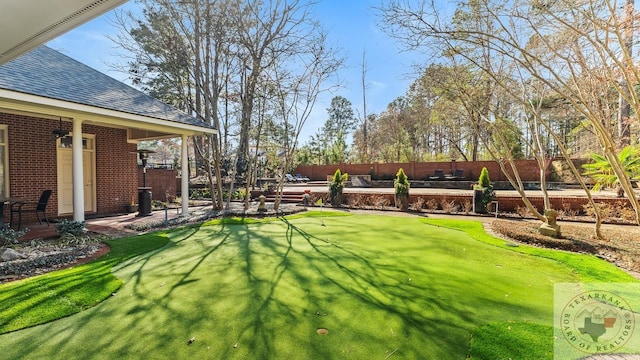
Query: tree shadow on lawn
point(291, 288)
point(138, 340)
point(415, 308)
point(69, 290)
point(80, 282)
point(190, 232)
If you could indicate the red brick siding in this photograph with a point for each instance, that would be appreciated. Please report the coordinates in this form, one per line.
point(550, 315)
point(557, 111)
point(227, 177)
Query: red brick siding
point(33, 162)
point(32, 150)
point(528, 169)
point(161, 181)
point(116, 169)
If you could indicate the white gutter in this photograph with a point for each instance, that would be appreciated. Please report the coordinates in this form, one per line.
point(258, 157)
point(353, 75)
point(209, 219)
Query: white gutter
point(96, 115)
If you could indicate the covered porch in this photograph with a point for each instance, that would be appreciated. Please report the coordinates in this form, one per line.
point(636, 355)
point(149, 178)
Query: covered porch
point(45, 99)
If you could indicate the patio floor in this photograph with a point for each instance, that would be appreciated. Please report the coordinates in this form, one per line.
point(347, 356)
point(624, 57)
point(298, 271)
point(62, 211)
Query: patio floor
point(113, 226)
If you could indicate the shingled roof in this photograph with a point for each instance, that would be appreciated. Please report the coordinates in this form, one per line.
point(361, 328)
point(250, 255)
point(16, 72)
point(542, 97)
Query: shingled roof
point(48, 73)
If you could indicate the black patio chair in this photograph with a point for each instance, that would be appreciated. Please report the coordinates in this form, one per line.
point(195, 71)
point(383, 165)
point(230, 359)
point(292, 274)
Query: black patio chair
point(2, 224)
point(37, 207)
point(457, 175)
point(439, 175)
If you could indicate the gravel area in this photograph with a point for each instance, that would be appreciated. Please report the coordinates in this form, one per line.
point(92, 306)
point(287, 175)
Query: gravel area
point(44, 255)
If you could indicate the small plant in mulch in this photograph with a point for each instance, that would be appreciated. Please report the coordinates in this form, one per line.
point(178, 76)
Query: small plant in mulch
point(448, 206)
point(380, 201)
point(74, 232)
point(432, 204)
point(66, 226)
point(418, 204)
point(467, 206)
point(612, 212)
point(9, 236)
point(359, 201)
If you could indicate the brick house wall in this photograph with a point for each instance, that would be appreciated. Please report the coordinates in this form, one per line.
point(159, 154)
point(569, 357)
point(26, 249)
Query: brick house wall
point(116, 169)
point(33, 163)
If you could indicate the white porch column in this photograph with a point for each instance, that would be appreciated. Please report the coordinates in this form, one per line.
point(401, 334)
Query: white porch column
point(78, 180)
point(184, 185)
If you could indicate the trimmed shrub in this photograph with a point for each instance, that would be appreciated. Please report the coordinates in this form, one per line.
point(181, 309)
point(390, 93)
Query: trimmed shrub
point(483, 180)
point(401, 183)
point(335, 187)
point(486, 196)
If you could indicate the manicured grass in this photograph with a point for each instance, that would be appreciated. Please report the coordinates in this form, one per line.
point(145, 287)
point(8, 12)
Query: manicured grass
point(383, 287)
point(588, 268)
point(40, 299)
point(524, 340)
point(512, 340)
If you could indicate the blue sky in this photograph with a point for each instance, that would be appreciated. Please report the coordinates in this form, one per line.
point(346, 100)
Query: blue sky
point(352, 26)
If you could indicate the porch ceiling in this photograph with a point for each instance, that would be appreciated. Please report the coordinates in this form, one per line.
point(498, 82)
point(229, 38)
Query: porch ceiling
point(26, 24)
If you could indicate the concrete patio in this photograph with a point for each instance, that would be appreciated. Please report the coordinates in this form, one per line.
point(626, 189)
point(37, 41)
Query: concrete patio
point(113, 226)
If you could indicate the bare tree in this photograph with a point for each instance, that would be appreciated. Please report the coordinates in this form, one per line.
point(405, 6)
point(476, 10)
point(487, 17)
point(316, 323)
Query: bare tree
point(270, 33)
point(213, 59)
point(179, 50)
point(364, 157)
point(296, 92)
point(624, 112)
point(575, 48)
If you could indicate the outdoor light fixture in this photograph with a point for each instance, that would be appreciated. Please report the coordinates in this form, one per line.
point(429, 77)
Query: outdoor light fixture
point(143, 154)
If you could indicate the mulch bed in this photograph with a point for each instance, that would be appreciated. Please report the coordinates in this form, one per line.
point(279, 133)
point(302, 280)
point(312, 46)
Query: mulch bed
point(46, 255)
point(620, 245)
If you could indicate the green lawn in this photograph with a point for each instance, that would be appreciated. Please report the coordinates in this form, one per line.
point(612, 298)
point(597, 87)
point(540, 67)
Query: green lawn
point(383, 287)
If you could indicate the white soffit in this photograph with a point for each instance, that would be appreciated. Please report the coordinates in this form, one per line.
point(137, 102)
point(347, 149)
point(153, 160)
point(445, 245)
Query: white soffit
point(26, 24)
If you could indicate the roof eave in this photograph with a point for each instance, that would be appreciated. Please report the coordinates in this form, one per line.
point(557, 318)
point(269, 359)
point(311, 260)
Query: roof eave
point(17, 101)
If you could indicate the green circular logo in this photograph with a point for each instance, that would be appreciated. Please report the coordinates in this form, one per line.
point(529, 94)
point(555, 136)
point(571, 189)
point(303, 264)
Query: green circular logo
point(597, 321)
